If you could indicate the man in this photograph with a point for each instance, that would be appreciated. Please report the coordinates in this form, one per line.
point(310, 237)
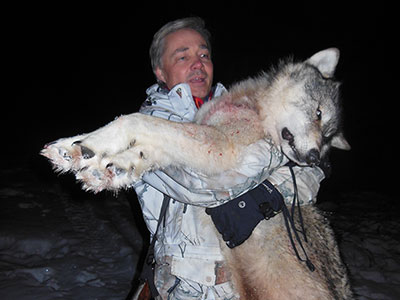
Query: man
point(189, 263)
point(186, 58)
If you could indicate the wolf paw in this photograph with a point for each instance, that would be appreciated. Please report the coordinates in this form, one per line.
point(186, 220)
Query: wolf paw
point(111, 157)
point(66, 154)
point(113, 172)
point(126, 167)
point(97, 170)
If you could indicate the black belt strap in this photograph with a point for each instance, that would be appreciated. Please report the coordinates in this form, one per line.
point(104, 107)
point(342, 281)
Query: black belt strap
point(149, 263)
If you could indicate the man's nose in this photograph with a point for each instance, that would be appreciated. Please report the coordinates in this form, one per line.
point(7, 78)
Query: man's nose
point(197, 64)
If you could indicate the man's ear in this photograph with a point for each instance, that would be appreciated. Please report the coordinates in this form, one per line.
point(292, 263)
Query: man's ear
point(160, 75)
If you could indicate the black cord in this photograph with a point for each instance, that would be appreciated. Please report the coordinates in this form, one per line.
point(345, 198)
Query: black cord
point(290, 225)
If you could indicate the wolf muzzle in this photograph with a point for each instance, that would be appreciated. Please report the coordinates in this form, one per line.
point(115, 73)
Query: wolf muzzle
point(313, 157)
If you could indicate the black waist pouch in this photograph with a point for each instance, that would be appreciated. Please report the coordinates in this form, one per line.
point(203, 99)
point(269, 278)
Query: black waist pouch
point(236, 219)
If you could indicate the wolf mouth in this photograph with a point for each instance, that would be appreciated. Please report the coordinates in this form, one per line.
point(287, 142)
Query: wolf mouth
point(296, 154)
point(312, 158)
point(288, 136)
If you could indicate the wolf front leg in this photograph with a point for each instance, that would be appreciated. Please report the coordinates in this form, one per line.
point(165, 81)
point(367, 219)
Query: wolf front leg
point(165, 143)
point(117, 154)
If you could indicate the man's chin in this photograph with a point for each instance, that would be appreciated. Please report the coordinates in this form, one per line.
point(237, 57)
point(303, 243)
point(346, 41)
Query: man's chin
point(200, 92)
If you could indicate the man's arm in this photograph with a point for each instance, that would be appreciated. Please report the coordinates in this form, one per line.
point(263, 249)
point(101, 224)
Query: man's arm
point(262, 161)
point(308, 182)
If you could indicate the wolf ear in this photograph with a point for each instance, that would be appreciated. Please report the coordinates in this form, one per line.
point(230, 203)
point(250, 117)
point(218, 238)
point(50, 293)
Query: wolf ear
point(338, 141)
point(325, 61)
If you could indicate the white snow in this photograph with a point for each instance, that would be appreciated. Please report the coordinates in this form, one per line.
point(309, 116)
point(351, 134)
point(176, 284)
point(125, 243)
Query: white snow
point(368, 229)
point(57, 242)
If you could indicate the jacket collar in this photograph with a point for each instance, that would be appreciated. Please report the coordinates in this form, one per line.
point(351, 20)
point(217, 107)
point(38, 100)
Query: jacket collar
point(179, 98)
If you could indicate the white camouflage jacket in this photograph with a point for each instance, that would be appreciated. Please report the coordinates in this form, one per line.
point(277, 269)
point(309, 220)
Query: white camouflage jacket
point(194, 249)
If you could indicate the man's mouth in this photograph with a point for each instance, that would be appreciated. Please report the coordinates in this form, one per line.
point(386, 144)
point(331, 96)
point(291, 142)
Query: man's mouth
point(198, 78)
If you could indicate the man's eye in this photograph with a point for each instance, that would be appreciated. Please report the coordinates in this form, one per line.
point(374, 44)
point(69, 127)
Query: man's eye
point(204, 56)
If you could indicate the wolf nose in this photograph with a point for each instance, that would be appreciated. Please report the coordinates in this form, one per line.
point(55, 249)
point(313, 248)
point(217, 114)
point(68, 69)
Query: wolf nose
point(287, 135)
point(313, 157)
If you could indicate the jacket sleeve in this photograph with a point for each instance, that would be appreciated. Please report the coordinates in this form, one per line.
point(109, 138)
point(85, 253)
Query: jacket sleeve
point(187, 186)
point(308, 182)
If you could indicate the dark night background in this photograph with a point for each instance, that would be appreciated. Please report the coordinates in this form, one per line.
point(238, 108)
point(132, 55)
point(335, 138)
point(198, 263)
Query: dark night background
point(71, 69)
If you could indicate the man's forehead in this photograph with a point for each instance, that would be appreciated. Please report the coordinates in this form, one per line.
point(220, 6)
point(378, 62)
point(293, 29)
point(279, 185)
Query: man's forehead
point(184, 39)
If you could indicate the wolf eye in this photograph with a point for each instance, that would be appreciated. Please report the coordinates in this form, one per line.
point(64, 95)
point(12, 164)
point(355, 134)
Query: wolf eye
point(319, 114)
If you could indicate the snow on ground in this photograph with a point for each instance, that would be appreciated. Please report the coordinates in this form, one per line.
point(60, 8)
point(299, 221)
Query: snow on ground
point(57, 242)
point(367, 225)
point(58, 245)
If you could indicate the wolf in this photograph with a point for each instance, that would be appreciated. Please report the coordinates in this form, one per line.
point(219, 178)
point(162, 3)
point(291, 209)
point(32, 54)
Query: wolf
point(296, 106)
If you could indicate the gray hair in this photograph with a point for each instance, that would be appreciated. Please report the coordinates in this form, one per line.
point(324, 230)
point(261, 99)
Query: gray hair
point(157, 46)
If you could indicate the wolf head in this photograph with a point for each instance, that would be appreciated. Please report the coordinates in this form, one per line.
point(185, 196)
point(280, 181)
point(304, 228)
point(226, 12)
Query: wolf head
point(304, 105)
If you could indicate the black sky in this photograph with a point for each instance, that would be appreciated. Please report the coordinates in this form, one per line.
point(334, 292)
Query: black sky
point(71, 69)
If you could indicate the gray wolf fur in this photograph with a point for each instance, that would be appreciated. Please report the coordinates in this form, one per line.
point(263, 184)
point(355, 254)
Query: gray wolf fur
point(296, 106)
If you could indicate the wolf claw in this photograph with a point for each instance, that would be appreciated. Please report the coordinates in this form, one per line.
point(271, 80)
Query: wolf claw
point(87, 153)
point(115, 170)
point(49, 144)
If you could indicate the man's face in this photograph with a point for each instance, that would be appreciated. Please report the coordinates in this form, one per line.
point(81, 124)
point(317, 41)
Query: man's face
point(186, 59)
